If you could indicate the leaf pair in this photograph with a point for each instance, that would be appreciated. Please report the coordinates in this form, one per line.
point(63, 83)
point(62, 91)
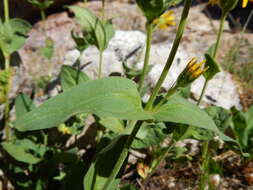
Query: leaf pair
point(97, 32)
point(13, 35)
point(112, 97)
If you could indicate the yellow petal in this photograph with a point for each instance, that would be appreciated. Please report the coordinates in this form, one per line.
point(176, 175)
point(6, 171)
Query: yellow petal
point(244, 3)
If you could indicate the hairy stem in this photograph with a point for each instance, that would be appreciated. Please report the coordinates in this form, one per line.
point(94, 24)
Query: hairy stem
point(147, 54)
point(137, 124)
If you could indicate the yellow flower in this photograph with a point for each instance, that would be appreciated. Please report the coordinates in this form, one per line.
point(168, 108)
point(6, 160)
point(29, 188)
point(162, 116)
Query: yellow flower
point(167, 19)
point(192, 71)
point(196, 69)
point(64, 129)
point(245, 2)
point(216, 2)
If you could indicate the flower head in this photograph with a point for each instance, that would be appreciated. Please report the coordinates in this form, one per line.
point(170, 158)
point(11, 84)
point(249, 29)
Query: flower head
point(192, 71)
point(216, 2)
point(64, 129)
point(245, 2)
point(165, 20)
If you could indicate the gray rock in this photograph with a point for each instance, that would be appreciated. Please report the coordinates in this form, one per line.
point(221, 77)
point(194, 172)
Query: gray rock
point(221, 91)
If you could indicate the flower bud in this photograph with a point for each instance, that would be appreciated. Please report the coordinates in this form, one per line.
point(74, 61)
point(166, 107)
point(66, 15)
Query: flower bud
point(192, 71)
point(228, 5)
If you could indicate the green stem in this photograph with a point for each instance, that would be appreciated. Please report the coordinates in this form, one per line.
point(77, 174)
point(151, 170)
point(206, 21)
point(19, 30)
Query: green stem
point(7, 62)
point(6, 118)
point(7, 105)
point(103, 10)
point(137, 124)
point(43, 14)
point(169, 93)
point(160, 159)
point(205, 168)
point(6, 11)
point(202, 92)
point(222, 21)
point(123, 154)
point(173, 52)
point(100, 64)
point(205, 156)
point(147, 54)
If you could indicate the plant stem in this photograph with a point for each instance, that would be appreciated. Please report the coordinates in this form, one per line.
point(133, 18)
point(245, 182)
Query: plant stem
point(169, 93)
point(103, 10)
point(160, 159)
point(43, 14)
point(147, 54)
point(6, 118)
point(205, 164)
point(7, 105)
point(173, 52)
point(100, 64)
point(205, 155)
point(7, 62)
point(137, 124)
point(6, 11)
point(123, 154)
point(222, 21)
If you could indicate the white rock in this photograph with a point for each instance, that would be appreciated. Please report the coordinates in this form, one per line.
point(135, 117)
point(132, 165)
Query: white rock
point(221, 91)
point(71, 57)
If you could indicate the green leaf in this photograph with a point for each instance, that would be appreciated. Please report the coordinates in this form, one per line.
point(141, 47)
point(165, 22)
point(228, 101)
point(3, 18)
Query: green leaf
point(48, 51)
point(24, 150)
point(151, 8)
point(71, 77)
point(128, 187)
point(213, 67)
point(210, 50)
point(13, 35)
point(101, 32)
point(155, 134)
point(179, 110)
point(112, 124)
point(41, 4)
point(81, 42)
point(108, 97)
point(23, 104)
point(109, 32)
point(240, 128)
point(20, 26)
point(221, 116)
point(249, 118)
point(169, 3)
point(100, 170)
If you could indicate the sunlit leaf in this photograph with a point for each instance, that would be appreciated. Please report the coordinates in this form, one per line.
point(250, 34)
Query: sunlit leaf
point(109, 97)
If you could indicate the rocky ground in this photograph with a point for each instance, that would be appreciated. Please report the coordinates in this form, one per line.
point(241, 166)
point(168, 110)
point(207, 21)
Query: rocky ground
point(200, 34)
